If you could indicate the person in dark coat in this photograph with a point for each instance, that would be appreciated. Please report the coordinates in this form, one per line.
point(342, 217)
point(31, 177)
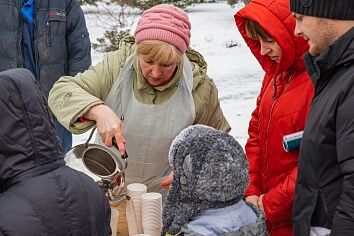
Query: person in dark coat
point(39, 195)
point(49, 38)
point(324, 195)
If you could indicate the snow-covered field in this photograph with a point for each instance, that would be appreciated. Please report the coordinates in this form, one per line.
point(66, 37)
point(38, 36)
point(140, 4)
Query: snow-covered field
point(234, 70)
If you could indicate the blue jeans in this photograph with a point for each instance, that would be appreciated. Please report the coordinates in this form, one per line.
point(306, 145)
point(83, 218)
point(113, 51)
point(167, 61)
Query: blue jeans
point(64, 135)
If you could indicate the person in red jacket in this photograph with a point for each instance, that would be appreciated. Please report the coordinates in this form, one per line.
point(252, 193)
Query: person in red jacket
point(282, 108)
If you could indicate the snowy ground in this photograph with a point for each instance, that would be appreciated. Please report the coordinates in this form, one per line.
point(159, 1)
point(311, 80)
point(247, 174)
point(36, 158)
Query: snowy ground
point(234, 70)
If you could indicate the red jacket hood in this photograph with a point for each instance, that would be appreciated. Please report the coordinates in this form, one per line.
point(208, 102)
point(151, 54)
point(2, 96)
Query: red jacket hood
point(275, 18)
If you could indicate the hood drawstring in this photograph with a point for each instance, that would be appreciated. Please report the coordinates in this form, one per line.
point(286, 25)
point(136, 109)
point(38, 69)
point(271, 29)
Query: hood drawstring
point(283, 87)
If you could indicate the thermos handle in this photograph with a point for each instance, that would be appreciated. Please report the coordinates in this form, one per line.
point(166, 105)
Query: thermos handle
point(125, 155)
point(114, 142)
point(91, 134)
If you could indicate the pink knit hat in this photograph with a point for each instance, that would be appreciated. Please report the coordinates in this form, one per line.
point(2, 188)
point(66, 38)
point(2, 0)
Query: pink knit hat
point(166, 23)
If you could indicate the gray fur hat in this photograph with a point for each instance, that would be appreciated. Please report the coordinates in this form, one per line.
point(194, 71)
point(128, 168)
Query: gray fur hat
point(210, 171)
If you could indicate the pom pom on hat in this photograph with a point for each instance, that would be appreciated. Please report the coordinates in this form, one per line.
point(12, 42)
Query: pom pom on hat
point(166, 23)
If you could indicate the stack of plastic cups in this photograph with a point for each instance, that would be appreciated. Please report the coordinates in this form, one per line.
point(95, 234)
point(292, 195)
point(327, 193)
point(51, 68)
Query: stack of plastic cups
point(152, 213)
point(133, 208)
point(114, 221)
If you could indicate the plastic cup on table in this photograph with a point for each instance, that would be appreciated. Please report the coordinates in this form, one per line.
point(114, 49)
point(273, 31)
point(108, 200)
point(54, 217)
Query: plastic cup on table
point(133, 208)
point(151, 212)
point(114, 221)
point(153, 232)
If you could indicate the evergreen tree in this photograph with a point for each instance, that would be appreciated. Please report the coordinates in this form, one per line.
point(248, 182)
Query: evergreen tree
point(112, 36)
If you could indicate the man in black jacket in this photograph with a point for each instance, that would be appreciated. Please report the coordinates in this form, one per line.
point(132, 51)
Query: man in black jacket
point(49, 38)
point(324, 196)
point(39, 195)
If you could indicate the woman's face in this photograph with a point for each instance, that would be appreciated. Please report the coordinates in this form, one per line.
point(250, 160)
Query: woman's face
point(156, 74)
point(270, 48)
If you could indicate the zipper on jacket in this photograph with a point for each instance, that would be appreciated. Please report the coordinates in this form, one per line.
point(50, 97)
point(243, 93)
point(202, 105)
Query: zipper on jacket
point(35, 43)
point(270, 118)
point(275, 87)
point(36, 62)
point(267, 132)
point(19, 61)
point(48, 33)
point(285, 87)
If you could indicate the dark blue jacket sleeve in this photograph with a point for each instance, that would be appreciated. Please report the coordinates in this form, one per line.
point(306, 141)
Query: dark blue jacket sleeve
point(77, 39)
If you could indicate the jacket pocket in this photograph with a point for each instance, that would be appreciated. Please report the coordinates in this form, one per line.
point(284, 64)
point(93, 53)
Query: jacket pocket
point(320, 215)
point(55, 25)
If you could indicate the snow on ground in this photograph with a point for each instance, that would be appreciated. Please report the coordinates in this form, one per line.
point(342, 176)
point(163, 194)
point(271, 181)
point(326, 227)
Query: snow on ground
point(234, 70)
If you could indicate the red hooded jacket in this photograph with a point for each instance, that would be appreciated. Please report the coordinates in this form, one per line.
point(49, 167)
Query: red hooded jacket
point(282, 108)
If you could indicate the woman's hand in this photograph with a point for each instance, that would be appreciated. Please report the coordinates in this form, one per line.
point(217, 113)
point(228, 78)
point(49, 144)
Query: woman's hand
point(260, 202)
point(108, 125)
point(166, 183)
point(253, 199)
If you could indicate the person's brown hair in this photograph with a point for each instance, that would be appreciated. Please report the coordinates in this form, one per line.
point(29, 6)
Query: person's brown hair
point(255, 31)
point(160, 52)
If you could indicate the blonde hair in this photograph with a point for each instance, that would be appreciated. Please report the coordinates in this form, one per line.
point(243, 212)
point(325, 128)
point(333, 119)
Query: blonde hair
point(160, 52)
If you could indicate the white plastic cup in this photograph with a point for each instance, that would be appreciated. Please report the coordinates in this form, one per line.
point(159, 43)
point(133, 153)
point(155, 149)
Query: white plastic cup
point(151, 210)
point(133, 211)
point(136, 187)
point(131, 219)
point(114, 221)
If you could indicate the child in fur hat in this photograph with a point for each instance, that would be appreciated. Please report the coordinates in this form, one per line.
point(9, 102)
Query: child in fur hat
point(210, 177)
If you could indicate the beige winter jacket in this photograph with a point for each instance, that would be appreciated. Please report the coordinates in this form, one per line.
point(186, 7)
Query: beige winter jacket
point(71, 97)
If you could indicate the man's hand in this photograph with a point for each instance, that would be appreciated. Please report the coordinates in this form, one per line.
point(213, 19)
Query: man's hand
point(166, 183)
point(108, 125)
point(252, 199)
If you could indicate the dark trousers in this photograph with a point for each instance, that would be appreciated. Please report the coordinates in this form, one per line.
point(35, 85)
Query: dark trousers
point(64, 135)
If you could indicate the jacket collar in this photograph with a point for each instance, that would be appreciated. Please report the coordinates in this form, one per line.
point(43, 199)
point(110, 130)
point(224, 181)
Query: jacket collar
point(340, 53)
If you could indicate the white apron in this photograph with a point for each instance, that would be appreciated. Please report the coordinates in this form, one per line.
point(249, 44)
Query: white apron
point(148, 128)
